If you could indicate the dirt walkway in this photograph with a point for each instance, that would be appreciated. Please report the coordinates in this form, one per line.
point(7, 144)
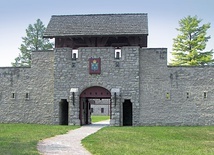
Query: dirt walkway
point(70, 143)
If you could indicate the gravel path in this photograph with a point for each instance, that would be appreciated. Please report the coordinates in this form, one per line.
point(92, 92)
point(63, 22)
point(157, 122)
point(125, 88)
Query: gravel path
point(70, 143)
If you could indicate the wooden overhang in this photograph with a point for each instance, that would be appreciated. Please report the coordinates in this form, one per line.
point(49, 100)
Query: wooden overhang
point(98, 30)
point(96, 92)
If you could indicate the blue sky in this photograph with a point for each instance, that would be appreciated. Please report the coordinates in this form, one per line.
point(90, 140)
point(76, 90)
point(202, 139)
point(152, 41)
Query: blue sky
point(163, 16)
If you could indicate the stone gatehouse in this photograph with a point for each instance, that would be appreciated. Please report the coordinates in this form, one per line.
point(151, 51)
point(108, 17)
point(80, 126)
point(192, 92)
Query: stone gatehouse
point(105, 56)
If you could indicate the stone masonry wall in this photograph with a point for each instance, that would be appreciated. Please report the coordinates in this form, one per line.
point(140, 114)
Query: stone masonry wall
point(75, 74)
point(174, 95)
point(26, 94)
point(98, 105)
point(161, 95)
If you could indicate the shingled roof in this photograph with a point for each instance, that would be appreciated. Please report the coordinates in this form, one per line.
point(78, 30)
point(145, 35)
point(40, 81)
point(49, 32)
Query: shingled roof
point(97, 25)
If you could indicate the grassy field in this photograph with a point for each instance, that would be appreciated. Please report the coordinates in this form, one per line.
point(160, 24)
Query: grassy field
point(99, 118)
point(22, 139)
point(152, 141)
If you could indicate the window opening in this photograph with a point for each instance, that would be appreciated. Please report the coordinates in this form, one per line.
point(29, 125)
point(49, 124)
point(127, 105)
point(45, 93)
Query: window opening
point(117, 53)
point(13, 95)
point(187, 95)
point(74, 54)
point(27, 96)
point(205, 95)
point(168, 96)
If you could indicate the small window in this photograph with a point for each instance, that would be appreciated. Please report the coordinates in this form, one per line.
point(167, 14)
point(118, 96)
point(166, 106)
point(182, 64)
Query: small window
point(74, 54)
point(13, 95)
point(205, 95)
point(168, 96)
point(27, 96)
point(188, 95)
point(102, 110)
point(117, 53)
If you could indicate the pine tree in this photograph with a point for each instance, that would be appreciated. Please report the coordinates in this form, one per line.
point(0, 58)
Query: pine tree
point(34, 41)
point(189, 46)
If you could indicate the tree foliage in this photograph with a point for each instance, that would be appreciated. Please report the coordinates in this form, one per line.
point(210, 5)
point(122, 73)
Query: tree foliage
point(34, 41)
point(189, 46)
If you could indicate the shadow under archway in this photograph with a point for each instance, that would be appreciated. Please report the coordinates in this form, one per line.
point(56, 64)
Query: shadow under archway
point(95, 92)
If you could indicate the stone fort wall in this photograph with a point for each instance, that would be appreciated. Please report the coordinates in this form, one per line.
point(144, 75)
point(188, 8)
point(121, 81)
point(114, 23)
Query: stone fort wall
point(161, 95)
point(26, 94)
point(100, 107)
point(75, 74)
point(174, 95)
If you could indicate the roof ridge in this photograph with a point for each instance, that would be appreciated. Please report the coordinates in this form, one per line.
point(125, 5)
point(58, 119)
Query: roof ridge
point(101, 14)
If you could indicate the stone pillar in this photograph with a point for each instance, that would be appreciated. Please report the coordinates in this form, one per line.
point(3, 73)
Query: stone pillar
point(74, 107)
point(116, 107)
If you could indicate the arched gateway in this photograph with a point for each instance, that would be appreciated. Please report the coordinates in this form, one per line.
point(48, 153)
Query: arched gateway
point(95, 92)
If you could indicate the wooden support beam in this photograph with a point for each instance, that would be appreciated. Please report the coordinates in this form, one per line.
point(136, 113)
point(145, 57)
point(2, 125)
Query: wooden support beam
point(134, 41)
point(143, 41)
point(93, 41)
point(101, 41)
point(88, 42)
point(104, 40)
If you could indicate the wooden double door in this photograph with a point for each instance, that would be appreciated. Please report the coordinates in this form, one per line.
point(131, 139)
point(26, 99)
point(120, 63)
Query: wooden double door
point(85, 111)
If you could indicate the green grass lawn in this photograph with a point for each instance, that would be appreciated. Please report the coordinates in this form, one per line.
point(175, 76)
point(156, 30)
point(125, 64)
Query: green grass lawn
point(99, 118)
point(22, 139)
point(151, 141)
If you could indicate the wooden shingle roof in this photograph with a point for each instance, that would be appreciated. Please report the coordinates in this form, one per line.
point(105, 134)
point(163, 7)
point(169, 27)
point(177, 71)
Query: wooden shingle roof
point(97, 25)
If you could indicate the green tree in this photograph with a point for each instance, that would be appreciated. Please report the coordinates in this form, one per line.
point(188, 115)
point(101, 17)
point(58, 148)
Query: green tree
point(189, 46)
point(34, 41)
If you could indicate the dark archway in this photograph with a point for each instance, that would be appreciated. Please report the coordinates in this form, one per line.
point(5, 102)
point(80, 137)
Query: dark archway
point(95, 92)
point(63, 112)
point(127, 113)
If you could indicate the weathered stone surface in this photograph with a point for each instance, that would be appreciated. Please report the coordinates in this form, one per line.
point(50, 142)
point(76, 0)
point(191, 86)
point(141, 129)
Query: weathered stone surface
point(186, 86)
point(161, 95)
point(123, 77)
point(37, 81)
